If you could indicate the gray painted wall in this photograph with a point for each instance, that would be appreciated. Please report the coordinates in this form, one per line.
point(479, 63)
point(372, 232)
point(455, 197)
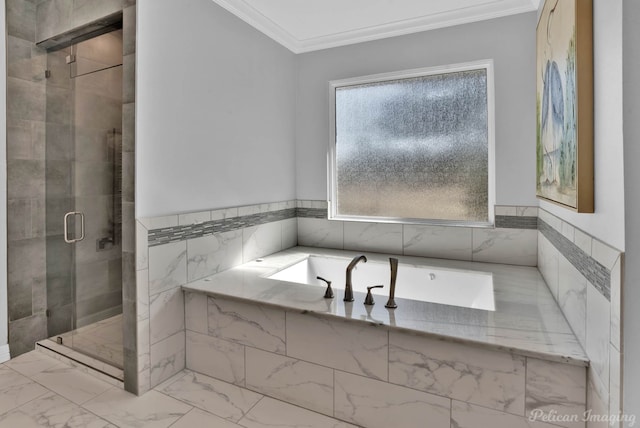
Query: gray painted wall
point(631, 110)
point(509, 41)
point(216, 111)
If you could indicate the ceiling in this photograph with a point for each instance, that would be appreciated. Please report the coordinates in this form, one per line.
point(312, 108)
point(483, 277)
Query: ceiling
point(308, 25)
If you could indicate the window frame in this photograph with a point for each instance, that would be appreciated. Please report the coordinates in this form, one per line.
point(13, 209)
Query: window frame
point(487, 65)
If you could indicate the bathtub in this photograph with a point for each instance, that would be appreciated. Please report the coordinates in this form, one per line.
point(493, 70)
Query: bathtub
point(468, 289)
point(467, 345)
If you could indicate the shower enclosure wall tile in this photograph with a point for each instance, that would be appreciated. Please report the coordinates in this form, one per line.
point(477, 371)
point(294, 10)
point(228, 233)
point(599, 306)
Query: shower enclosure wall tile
point(487, 378)
point(128, 177)
point(216, 357)
point(167, 358)
point(214, 253)
point(21, 19)
point(85, 11)
point(58, 138)
point(129, 29)
point(437, 241)
point(128, 79)
point(166, 314)
point(25, 100)
point(556, 388)
point(25, 332)
point(291, 380)
point(26, 178)
point(24, 60)
point(25, 139)
point(353, 347)
point(58, 105)
point(247, 324)
point(167, 267)
point(381, 238)
point(128, 127)
point(19, 296)
point(26, 260)
point(548, 263)
point(377, 404)
point(53, 17)
point(129, 229)
point(19, 222)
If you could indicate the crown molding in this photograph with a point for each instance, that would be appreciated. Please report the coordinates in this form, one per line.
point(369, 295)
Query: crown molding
point(424, 23)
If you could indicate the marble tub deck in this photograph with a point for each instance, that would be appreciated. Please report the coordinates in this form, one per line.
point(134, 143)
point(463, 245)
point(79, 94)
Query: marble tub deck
point(527, 321)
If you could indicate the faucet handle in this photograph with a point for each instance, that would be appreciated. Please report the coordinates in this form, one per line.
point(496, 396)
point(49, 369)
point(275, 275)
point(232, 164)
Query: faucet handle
point(369, 299)
point(329, 293)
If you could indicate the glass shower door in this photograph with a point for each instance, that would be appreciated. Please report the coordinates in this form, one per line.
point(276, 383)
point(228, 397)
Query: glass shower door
point(83, 176)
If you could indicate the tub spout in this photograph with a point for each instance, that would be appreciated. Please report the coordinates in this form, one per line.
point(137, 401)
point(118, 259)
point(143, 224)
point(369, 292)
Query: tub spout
point(348, 287)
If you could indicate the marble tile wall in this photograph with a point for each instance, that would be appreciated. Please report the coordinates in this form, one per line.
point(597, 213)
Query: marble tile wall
point(585, 276)
point(168, 258)
point(512, 241)
point(366, 375)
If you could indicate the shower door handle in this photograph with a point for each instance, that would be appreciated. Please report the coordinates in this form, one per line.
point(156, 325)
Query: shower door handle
point(66, 226)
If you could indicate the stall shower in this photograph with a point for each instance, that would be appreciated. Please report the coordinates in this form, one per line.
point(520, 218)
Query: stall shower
point(83, 168)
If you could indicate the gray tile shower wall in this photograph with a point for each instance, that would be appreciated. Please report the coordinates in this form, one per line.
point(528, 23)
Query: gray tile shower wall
point(38, 126)
point(26, 106)
point(585, 276)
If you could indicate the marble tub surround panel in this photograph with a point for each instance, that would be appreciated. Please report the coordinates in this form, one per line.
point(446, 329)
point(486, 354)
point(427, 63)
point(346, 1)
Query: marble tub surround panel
point(170, 254)
point(487, 378)
point(215, 357)
point(366, 369)
point(292, 380)
point(352, 347)
point(377, 404)
point(512, 241)
point(588, 276)
point(247, 324)
point(555, 388)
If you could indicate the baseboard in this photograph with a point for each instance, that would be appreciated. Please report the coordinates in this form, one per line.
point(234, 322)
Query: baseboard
point(4, 353)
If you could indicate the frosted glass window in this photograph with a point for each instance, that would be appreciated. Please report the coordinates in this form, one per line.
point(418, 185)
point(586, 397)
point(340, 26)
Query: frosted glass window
point(413, 148)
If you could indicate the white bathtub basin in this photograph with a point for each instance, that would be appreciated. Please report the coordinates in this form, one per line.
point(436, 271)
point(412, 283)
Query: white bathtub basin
point(468, 289)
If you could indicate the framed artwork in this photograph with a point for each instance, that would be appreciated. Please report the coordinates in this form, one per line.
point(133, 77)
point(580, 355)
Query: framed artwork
point(564, 101)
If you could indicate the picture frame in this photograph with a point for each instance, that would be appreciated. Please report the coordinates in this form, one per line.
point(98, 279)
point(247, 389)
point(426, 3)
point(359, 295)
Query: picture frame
point(564, 104)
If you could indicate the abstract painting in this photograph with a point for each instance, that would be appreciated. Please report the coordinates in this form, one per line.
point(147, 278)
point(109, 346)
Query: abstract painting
point(564, 75)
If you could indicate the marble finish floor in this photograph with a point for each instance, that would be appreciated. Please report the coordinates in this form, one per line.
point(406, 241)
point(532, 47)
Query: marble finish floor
point(102, 340)
point(39, 391)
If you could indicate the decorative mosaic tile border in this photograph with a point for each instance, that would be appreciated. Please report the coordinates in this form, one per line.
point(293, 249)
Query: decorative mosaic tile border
point(181, 233)
point(516, 222)
point(596, 273)
point(311, 212)
point(304, 209)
